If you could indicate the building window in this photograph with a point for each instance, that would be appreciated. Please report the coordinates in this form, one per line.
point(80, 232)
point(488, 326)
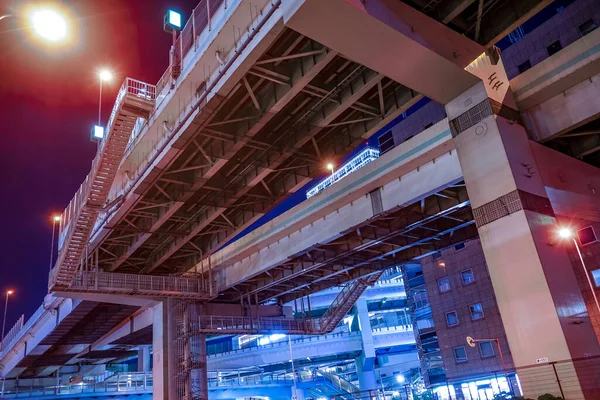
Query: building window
point(444, 285)
point(486, 349)
point(554, 48)
point(467, 277)
point(596, 276)
point(524, 66)
point(587, 27)
point(452, 318)
point(460, 354)
point(459, 246)
point(476, 311)
point(587, 235)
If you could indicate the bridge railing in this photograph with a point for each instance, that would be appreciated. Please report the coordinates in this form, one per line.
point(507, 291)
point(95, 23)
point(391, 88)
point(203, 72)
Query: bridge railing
point(150, 285)
point(12, 333)
point(235, 324)
point(125, 383)
point(8, 342)
point(199, 21)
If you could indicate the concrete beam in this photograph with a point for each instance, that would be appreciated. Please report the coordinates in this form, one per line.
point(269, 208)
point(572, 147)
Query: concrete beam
point(396, 41)
point(409, 175)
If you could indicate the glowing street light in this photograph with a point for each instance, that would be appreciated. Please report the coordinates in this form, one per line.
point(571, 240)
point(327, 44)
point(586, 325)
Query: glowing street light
point(331, 167)
point(566, 234)
point(55, 219)
point(8, 293)
point(49, 24)
point(104, 75)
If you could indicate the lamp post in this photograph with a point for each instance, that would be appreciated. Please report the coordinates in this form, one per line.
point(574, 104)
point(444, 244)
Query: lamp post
point(8, 292)
point(55, 219)
point(47, 23)
point(103, 75)
point(331, 167)
point(567, 233)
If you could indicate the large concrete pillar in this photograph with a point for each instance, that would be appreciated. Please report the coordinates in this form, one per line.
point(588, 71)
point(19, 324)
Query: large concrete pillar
point(542, 308)
point(365, 364)
point(160, 352)
point(144, 360)
point(195, 354)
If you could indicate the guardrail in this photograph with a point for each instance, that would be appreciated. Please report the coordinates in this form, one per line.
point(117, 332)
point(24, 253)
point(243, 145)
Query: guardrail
point(151, 285)
point(125, 383)
point(285, 343)
point(7, 343)
point(199, 21)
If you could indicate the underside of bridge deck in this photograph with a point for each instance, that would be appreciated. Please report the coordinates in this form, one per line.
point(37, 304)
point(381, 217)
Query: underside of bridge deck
point(299, 106)
point(389, 239)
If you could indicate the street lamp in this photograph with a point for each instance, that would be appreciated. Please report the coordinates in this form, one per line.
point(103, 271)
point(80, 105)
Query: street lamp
point(103, 75)
point(56, 218)
point(331, 167)
point(47, 23)
point(8, 293)
point(567, 233)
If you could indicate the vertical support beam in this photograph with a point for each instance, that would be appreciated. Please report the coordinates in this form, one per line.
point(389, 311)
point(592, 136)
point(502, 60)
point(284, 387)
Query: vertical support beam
point(195, 355)
point(534, 283)
point(160, 352)
point(365, 364)
point(144, 359)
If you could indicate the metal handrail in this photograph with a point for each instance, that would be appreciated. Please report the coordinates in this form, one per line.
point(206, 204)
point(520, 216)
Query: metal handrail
point(135, 382)
point(150, 284)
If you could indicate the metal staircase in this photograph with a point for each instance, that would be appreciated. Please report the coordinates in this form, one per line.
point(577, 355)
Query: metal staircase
point(135, 99)
point(344, 302)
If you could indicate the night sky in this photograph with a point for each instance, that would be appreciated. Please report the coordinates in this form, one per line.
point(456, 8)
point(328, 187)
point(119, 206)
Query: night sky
point(49, 102)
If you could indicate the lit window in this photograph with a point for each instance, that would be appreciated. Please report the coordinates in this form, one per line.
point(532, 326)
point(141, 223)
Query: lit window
point(587, 27)
point(460, 354)
point(476, 311)
point(467, 276)
point(486, 349)
point(452, 318)
point(444, 285)
point(596, 276)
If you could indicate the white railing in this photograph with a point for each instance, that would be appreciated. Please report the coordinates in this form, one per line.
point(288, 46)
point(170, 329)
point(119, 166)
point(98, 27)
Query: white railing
point(135, 382)
point(7, 344)
point(12, 333)
point(161, 286)
point(304, 339)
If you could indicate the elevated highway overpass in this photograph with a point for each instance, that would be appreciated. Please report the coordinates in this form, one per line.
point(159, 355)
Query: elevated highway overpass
point(240, 121)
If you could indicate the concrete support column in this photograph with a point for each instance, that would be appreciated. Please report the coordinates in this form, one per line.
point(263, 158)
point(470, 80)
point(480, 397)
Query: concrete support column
point(541, 305)
point(162, 365)
point(144, 360)
point(299, 394)
point(195, 354)
point(365, 364)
